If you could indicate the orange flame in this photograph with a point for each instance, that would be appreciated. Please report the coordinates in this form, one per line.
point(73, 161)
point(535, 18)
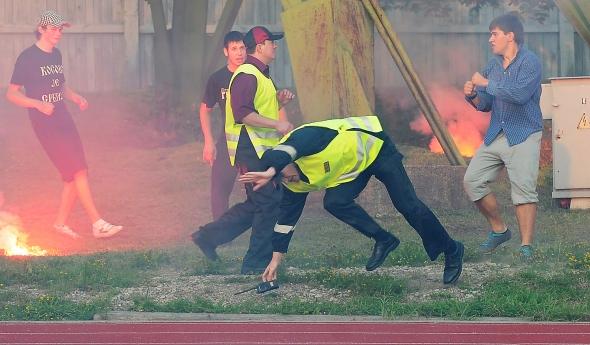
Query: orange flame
point(465, 124)
point(13, 241)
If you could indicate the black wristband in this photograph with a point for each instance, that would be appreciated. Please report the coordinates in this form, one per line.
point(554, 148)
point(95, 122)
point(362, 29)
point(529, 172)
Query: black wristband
point(472, 97)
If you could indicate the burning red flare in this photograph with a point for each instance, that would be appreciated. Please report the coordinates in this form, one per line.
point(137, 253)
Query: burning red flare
point(465, 124)
point(13, 241)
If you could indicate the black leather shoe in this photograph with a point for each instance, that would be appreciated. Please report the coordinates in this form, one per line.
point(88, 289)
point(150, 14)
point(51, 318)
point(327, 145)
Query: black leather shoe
point(380, 252)
point(207, 248)
point(454, 265)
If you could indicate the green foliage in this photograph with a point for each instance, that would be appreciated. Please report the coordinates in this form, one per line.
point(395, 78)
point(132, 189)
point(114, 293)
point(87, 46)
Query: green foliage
point(267, 304)
point(579, 260)
point(50, 308)
point(362, 285)
point(545, 187)
point(150, 259)
point(528, 295)
point(538, 292)
point(534, 9)
point(408, 253)
point(92, 272)
point(534, 295)
point(198, 305)
point(206, 267)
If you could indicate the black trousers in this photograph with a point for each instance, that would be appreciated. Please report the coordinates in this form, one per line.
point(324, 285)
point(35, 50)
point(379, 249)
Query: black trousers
point(259, 211)
point(388, 169)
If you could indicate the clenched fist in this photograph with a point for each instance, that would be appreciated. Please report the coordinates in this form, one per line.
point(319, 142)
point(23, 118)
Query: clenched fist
point(283, 127)
point(469, 89)
point(479, 80)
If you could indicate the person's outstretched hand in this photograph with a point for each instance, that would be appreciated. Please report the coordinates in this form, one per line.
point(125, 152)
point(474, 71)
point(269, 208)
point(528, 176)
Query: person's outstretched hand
point(258, 178)
point(270, 273)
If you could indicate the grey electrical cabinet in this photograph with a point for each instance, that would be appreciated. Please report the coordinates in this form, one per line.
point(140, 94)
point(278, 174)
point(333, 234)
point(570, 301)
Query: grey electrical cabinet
point(567, 102)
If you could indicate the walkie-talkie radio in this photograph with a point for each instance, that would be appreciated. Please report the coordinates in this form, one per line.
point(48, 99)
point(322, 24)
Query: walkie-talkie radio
point(262, 287)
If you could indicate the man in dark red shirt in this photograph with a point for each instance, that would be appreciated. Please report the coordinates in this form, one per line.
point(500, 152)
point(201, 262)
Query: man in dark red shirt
point(253, 124)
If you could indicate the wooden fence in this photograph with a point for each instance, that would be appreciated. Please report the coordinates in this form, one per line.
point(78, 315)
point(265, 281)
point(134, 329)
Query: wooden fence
point(109, 47)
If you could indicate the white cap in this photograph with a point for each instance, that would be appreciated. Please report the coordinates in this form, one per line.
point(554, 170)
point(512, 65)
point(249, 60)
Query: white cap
point(52, 18)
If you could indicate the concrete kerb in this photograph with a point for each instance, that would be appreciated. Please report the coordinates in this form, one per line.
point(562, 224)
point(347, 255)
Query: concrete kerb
point(162, 316)
point(130, 316)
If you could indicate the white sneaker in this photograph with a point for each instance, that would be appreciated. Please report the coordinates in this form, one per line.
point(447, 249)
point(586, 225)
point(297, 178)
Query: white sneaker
point(103, 229)
point(66, 230)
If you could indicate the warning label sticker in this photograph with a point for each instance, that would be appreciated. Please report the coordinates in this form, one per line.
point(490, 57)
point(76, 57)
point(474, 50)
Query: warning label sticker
point(584, 122)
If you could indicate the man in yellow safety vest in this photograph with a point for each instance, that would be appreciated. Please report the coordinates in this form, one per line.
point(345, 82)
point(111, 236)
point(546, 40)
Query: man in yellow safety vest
point(253, 124)
point(340, 156)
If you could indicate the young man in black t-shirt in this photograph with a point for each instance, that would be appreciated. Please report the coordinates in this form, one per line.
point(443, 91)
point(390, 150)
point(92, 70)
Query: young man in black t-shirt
point(38, 83)
point(223, 175)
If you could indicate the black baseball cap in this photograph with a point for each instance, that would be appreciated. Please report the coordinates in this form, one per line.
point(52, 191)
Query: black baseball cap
point(258, 35)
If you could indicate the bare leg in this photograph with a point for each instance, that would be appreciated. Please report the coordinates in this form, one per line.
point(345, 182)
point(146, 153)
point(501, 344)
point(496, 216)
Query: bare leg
point(68, 197)
point(488, 206)
point(525, 215)
point(81, 182)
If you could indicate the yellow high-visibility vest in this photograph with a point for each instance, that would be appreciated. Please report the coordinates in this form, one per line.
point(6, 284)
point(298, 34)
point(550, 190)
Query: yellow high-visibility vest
point(265, 103)
point(345, 157)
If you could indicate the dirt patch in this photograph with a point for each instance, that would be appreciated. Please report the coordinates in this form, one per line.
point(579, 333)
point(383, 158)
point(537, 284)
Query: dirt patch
point(219, 289)
point(168, 285)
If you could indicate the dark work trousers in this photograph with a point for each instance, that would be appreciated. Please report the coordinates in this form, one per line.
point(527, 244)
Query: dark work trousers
point(223, 178)
point(388, 169)
point(259, 211)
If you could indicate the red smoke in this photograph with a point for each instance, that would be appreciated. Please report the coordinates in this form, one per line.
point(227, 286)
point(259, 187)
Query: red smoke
point(466, 125)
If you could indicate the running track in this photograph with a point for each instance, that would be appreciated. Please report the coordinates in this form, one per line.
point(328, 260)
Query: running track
point(326, 333)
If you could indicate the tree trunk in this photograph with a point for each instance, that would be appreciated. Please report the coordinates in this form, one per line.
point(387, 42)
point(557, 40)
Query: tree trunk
point(189, 37)
point(213, 56)
point(163, 66)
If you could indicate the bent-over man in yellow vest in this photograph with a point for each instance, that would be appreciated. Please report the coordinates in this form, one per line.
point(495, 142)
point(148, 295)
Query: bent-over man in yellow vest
point(253, 125)
point(340, 156)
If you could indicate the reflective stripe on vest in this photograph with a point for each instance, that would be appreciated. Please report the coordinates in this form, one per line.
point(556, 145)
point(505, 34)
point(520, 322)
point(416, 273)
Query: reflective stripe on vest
point(265, 103)
point(344, 159)
point(361, 149)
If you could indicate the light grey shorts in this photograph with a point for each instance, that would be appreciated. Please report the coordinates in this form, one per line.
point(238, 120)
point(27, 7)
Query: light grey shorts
point(521, 162)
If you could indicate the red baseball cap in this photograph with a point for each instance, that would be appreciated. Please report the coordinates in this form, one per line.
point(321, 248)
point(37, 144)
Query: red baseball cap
point(258, 35)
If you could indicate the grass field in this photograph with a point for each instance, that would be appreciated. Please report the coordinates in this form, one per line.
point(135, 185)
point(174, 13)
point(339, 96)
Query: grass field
point(323, 274)
point(159, 191)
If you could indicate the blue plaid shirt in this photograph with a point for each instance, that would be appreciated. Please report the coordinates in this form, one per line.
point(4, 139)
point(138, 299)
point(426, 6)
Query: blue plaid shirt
point(513, 96)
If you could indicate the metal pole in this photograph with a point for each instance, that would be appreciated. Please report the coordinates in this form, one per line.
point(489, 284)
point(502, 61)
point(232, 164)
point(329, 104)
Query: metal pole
point(406, 68)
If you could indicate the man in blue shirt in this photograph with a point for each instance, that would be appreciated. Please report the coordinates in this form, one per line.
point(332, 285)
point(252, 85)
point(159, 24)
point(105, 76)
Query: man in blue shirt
point(509, 87)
